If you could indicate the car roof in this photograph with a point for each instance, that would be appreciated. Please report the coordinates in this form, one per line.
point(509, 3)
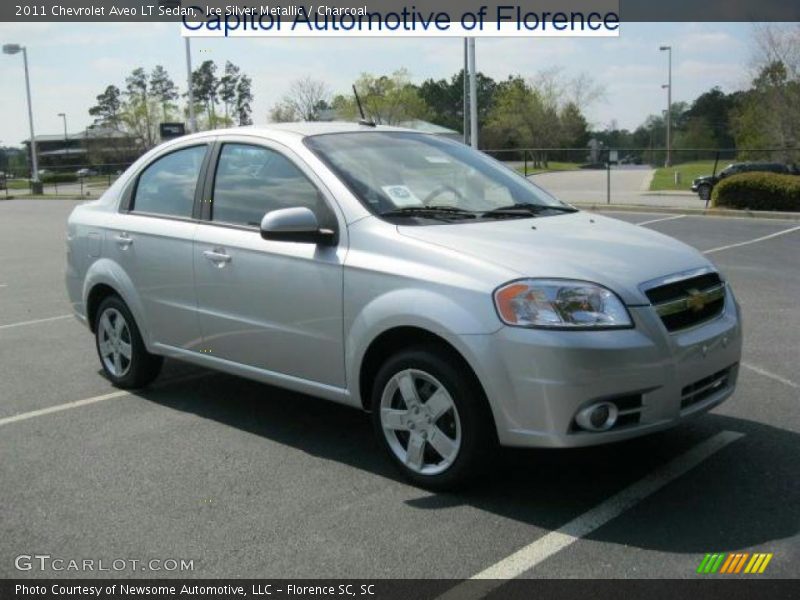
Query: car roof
point(300, 129)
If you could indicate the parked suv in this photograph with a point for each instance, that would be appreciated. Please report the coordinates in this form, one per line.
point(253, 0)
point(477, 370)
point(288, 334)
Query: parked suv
point(407, 275)
point(705, 184)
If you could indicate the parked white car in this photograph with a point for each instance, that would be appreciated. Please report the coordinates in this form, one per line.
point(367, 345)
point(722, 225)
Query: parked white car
point(407, 275)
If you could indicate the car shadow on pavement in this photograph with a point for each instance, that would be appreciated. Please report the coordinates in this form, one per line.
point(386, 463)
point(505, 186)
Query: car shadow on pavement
point(745, 495)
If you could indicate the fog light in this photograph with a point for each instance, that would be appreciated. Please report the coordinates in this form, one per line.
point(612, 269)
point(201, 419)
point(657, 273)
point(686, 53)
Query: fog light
point(597, 417)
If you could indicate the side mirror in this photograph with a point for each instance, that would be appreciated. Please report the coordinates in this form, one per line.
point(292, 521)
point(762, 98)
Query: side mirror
point(296, 224)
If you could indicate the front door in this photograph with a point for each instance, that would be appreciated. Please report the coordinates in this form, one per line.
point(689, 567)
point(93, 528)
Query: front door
point(273, 305)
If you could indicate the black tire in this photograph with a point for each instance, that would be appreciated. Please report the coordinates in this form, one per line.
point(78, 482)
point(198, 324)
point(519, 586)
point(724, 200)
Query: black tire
point(704, 191)
point(138, 370)
point(475, 423)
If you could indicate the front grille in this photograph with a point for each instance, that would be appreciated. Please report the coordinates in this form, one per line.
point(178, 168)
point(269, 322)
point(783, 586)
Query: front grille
point(704, 388)
point(687, 302)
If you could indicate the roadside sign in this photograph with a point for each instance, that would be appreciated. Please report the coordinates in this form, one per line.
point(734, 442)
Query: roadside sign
point(169, 131)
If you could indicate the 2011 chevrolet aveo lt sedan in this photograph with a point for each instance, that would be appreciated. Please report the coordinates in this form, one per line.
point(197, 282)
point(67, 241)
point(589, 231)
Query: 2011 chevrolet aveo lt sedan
point(405, 274)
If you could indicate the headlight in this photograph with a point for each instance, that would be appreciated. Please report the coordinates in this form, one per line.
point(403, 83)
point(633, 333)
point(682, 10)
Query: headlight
point(560, 304)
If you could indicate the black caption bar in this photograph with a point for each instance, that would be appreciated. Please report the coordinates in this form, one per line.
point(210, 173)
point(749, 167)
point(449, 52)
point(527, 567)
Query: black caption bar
point(177, 10)
point(400, 589)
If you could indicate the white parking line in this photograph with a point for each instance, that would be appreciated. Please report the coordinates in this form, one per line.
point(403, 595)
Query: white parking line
point(671, 218)
point(60, 407)
point(546, 546)
point(94, 400)
point(35, 321)
point(770, 375)
point(748, 242)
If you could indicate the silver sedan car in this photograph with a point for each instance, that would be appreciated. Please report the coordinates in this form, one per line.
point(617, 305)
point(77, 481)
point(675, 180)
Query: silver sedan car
point(407, 275)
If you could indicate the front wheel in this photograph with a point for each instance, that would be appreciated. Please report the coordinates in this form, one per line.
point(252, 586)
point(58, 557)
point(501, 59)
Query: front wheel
point(432, 420)
point(126, 361)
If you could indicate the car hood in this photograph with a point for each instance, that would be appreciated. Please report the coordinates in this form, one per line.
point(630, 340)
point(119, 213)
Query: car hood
point(579, 245)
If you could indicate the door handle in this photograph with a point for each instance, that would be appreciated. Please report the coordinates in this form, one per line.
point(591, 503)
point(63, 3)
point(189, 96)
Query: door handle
point(123, 240)
point(218, 257)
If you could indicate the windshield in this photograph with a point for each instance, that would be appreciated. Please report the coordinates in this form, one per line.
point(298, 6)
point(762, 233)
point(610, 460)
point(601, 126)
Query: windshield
point(398, 174)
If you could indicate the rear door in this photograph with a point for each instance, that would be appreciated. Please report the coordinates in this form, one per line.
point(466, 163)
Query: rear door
point(273, 305)
point(152, 238)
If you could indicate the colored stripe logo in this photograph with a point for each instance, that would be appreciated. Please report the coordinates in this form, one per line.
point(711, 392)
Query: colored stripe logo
point(734, 563)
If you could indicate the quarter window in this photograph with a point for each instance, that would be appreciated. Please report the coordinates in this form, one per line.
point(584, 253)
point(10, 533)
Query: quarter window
point(253, 180)
point(167, 186)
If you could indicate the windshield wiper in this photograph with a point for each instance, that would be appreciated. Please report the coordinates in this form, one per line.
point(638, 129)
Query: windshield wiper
point(526, 209)
point(430, 211)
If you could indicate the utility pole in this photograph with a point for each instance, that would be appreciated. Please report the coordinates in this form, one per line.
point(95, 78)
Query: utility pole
point(15, 49)
point(190, 88)
point(465, 94)
point(473, 96)
point(668, 160)
point(64, 116)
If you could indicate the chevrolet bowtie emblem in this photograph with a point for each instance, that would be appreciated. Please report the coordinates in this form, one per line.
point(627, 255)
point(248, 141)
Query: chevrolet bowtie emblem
point(696, 300)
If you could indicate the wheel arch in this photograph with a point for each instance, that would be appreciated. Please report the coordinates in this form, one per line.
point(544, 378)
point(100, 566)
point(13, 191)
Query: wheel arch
point(97, 294)
point(105, 277)
point(398, 338)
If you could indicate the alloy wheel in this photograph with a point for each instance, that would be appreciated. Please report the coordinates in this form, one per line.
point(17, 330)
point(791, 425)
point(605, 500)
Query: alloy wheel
point(420, 422)
point(114, 342)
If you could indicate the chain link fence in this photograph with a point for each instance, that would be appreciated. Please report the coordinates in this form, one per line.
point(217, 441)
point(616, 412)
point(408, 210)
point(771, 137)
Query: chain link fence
point(70, 180)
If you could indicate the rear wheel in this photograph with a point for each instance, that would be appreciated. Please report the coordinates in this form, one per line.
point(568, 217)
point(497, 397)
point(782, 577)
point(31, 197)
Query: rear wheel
point(432, 420)
point(125, 360)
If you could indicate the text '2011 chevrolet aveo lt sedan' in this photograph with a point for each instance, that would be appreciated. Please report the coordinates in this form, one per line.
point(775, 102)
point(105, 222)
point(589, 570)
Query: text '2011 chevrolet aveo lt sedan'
point(404, 274)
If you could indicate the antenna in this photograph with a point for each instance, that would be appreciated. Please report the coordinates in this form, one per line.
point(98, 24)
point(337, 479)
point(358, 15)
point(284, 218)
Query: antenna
point(364, 120)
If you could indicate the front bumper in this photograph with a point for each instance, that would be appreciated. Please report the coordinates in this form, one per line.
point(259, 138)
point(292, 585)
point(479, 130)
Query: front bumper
point(537, 380)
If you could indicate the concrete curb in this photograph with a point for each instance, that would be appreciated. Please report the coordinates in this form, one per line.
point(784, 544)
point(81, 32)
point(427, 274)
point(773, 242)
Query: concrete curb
point(674, 193)
point(697, 212)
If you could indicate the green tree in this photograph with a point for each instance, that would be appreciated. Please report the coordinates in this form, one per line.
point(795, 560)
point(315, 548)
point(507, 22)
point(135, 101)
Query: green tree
point(206, 86)
point(164, 90)
point(713, 108)
point(767, 117)
point(282, 113)
point(228, 88)
point(107, 110)
point(521, 117)
point(386, 99)
point(138, 109)
point(574, 127)
point(244, 100)
point(445, 98)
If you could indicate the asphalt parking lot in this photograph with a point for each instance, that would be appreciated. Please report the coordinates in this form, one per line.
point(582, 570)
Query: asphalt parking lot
point(250, 481)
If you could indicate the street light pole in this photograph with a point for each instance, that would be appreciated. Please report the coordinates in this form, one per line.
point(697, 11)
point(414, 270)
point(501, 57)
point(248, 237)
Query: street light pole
point(15, 49)
point(190, 88)
point(64, 116)
point(668, 160)
point(465, 97)
point(473, 96)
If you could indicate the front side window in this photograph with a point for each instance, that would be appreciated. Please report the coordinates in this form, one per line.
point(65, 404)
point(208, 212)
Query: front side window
point(398, 173)
point(253, 180)
point(167, 186)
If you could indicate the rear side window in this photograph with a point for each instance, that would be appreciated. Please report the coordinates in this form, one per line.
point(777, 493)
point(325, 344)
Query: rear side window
point(253, 180)
point(167, 186)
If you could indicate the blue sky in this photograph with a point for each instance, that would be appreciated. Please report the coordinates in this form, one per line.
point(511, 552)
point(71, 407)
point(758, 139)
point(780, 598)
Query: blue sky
point(72, 63)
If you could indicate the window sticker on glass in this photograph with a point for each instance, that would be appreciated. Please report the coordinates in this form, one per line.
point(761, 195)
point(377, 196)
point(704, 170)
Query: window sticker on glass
point(401, 195)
